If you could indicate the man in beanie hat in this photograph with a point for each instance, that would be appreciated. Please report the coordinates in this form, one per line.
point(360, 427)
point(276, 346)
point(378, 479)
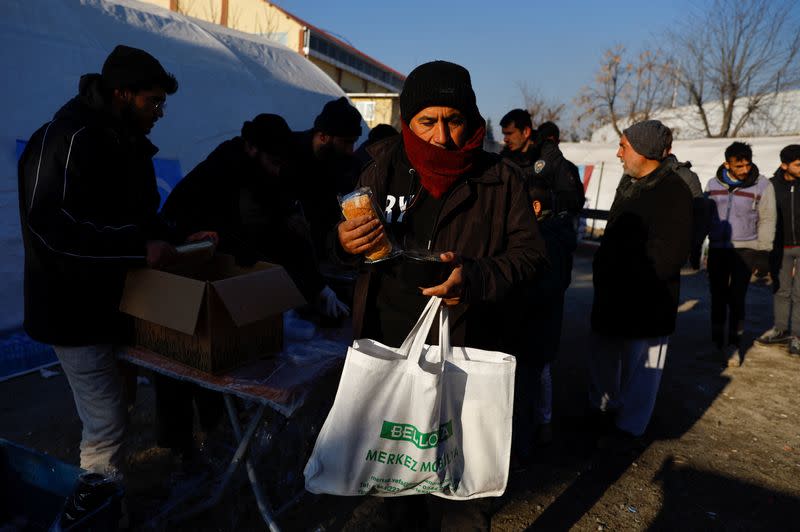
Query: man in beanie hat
point(323, 166)
point(88, 211)
point(740, 236)
point(786, 284)
point(240, 191)
point(636, 283)
point(442, 194)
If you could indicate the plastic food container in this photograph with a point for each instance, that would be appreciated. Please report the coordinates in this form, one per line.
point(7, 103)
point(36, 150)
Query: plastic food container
point(361, 202)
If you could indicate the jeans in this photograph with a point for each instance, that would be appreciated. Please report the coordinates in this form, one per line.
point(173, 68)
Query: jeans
point(624, 378)
point(97, 387)
point(787, 298)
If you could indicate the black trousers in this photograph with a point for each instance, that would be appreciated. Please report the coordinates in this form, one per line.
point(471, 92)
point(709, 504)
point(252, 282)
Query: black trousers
point(729, 276)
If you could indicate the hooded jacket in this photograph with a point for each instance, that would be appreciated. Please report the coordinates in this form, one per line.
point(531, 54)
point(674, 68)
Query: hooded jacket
point(485, 217)
point(787, 201)
point(742, 216)
point(254, 214)
point(88, 203)
point(636, 269)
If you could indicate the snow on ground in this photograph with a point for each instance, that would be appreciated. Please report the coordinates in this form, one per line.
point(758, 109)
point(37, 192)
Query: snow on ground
point(225, 77)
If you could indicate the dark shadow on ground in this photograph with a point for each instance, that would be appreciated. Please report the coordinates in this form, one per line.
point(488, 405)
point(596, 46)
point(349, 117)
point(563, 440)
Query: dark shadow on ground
point(692, 380)
point(704, 500)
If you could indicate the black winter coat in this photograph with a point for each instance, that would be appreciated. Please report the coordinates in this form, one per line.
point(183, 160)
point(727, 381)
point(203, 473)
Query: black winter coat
point(253, 213)
point(88, 203)
point(787, 200)
point(561, 176)
point(637, 267)
point(487, 219)
point(317, 184)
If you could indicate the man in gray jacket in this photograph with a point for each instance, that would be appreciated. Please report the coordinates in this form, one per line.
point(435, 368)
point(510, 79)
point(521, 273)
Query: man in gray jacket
point(741, 233)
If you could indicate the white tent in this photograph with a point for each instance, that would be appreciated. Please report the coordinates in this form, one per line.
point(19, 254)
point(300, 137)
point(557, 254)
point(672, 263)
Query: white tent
point(225, 77)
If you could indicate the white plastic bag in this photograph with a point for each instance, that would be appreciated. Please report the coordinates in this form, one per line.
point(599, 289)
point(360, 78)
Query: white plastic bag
point(417, 419)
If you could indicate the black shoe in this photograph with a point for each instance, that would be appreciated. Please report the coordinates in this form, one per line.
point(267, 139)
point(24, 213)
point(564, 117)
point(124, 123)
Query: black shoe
point(774, 336)
point(621, 442)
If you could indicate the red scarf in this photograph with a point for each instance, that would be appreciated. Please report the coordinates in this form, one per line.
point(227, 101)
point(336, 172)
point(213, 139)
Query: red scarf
point(437, 167)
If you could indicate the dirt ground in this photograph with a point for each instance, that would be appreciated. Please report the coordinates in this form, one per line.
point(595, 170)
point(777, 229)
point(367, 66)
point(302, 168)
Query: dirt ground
point(722, 451)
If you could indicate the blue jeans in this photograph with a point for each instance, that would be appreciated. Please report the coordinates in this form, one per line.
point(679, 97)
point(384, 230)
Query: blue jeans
point(97, 387)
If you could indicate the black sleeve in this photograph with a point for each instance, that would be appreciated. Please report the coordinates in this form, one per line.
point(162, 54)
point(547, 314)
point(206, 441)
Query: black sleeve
point(60, 176)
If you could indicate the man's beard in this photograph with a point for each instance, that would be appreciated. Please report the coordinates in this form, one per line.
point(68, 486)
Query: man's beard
point(133, 121)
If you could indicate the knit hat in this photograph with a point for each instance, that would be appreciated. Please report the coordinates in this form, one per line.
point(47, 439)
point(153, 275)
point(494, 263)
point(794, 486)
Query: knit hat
point(339, 119)
point(269, 133)
point(650, 139)
point(132, 68)
point(438, 83)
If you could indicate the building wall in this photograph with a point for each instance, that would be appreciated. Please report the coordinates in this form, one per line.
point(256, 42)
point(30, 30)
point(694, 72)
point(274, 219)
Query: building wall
point(209, 10)
point(378, 110)
point(351, 83)
point(329, 69)
point(261, 18)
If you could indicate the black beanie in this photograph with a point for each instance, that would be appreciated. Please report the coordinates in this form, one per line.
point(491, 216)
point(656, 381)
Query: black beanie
point(132, 68)
point(438, 83)
point(339, 119)
point(650, 138)
point(269, 133)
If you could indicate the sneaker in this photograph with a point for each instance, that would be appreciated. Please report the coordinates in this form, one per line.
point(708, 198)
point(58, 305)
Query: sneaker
point(774, 336)
point(734, 356)
point(794, 347)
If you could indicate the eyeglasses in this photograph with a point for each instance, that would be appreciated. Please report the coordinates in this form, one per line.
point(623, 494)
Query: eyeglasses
point(158, 104)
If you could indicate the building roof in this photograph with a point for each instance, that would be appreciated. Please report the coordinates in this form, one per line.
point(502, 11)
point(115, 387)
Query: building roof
point(339, 42)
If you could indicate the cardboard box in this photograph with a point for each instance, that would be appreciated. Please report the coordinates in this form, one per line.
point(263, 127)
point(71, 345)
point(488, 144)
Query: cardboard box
point(213, 318)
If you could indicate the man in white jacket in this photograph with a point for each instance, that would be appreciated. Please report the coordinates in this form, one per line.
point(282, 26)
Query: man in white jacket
point(741, 234)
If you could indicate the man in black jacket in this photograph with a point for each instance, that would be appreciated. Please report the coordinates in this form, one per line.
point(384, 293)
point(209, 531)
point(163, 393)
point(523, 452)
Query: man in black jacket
point(787, 251)
point(323, 166)
point(240, 192)
point(88, 206)
point(637, 279)
point(518, 137)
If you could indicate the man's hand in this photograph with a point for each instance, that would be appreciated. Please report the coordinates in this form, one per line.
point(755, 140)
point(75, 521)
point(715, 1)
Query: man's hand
point(452, 289)
point(204, 235)
point(160, 254)
point(360, 234)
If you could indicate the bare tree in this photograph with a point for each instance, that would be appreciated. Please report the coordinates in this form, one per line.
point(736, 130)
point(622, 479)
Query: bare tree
point(737, 53)
point(540, 108)
point(625, 91)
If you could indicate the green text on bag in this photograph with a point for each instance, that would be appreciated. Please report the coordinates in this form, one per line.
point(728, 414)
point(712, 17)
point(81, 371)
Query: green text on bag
point(410, 433)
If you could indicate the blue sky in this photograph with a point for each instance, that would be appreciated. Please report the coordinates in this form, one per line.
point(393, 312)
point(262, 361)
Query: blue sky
point(553, 47)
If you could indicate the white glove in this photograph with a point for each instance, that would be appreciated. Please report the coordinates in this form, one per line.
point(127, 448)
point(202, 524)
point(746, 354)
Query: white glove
point(329, 305)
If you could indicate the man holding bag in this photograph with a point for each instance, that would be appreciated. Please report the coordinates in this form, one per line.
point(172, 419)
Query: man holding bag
point(443, 193)
point(446, 197)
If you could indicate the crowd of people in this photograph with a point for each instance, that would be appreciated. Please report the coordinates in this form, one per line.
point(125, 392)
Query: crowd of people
point(506, 225)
